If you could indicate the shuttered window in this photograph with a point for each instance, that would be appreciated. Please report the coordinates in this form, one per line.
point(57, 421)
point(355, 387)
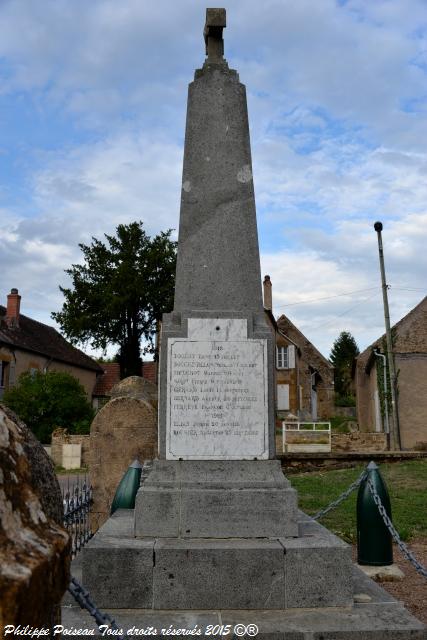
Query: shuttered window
point(285, 357)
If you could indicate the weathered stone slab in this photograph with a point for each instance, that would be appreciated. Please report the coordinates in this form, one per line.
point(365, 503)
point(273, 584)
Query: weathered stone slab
point(218, 240)
point(318, 569)
point(216, 499)
point(119, 571)
point(376, 621)
point(124, 429)
point(381, 619)
point(217, 398)
point(388, 573)
point(34, 548)
point(247, 513)
point(223, 574)
point(157, 512)
point(119, 525)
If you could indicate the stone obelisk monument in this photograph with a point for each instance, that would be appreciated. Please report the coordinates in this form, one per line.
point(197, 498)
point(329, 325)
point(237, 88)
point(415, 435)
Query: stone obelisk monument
point(216, 409)
point(216, 369)
point(215, 525)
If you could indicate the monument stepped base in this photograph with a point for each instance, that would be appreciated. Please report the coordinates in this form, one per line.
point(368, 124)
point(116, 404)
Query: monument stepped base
point(312, 570)
point(380, 617)
point(301, 586)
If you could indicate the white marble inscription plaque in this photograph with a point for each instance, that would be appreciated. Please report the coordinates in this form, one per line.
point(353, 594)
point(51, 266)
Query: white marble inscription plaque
point(217, 404)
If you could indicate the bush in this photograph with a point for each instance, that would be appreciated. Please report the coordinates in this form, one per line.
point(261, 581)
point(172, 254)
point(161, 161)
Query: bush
point(339, 424)
point(45, 401)
point(344, 401)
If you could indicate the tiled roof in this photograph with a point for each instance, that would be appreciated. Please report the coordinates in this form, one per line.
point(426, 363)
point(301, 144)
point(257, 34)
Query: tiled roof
point(39, 338)
point(111, 376)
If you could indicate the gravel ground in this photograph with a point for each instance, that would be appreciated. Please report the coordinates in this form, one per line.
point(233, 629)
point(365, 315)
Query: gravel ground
point(412, 590)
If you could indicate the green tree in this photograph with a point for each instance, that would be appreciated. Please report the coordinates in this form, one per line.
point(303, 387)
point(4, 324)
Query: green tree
point(343, 352)
point(120, 292)
point(45, 401)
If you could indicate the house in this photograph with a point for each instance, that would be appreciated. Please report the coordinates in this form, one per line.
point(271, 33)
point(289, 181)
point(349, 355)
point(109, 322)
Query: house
point(304, 378)
point(410, 354)
point(28, 345)
point(111, 376)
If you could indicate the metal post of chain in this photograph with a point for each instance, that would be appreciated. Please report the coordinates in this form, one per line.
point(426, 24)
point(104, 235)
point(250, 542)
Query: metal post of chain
point(374, 543)
point(401, 545)
point(124, 497)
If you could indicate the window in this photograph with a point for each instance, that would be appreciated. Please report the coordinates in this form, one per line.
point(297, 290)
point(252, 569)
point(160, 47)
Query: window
point(3, 376)
point(285, 357)
point(283, 397)
point(282, 357)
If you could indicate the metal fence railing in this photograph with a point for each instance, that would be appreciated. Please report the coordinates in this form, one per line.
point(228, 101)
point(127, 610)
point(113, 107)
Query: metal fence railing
point(306, 436)
point(77, 501)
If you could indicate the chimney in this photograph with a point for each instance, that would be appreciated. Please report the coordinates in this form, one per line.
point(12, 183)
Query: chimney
point(12, 310)
point(268, 297)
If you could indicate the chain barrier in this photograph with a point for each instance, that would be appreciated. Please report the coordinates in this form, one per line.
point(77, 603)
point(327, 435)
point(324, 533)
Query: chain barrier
point(354, 485)
point(401, 545)
point(82, 597)
point(388, 523)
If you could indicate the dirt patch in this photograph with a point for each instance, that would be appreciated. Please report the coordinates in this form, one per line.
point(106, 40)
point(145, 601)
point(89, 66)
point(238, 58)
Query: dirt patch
point(412, 590)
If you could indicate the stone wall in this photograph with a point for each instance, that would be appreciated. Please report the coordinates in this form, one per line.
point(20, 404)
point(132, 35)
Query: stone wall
point(60, 437)
point(410, 349)
point(412, 399)
point(304, 462)
point(366, 386)
point(358, 441)
point(124, 429)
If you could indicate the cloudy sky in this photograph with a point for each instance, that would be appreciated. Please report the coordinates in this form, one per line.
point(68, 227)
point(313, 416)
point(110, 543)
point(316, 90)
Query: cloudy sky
point(92, 116)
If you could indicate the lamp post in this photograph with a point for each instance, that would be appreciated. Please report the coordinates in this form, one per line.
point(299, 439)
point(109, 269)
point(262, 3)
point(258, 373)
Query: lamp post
point(395, 431)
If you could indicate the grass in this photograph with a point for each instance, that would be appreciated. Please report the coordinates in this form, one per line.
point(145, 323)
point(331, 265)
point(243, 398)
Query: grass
point(406, 483)
point(339, 424)
point(61, 471)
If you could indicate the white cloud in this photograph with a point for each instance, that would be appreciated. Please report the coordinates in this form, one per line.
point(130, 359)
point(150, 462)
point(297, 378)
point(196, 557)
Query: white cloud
point(344, 263)
point(337, 111)
point(86, 193)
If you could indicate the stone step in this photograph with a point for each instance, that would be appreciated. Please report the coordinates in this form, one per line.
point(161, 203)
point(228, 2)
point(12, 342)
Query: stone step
point(312, 570)
point(373, 621)
point(372, 613)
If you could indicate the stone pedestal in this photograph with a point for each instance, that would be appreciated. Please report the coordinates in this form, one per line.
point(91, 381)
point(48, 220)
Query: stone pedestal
point(208, 499)
point(184, 573)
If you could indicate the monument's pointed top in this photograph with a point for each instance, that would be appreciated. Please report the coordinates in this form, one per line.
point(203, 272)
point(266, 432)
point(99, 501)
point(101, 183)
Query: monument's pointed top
point(215, 23)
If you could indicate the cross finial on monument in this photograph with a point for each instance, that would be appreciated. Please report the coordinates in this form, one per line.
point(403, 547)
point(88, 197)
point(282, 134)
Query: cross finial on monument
point(215, 23)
